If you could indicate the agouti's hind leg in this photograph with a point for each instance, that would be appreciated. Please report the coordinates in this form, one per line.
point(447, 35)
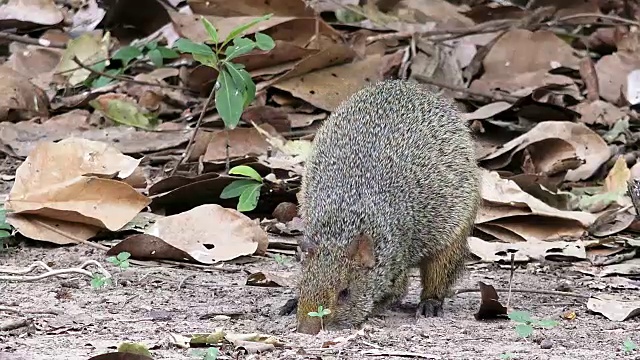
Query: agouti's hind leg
point(438, 273)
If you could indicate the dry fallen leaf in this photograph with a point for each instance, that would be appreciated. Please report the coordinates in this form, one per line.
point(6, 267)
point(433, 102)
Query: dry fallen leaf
point(69, 179)
point(211, 233)
point(614, 308)
point(41, 12)
point(19, 98)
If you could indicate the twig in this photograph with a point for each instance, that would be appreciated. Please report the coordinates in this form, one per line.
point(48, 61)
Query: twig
point(31, 41)
point(50, 272)
point(527, 291)
point(123, 78)
point(195, 131)
point(487, 95)
point(596, 15)
point(511, 272)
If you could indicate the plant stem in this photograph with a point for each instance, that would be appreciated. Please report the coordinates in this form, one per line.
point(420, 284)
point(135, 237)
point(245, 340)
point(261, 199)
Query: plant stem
point(226, 140)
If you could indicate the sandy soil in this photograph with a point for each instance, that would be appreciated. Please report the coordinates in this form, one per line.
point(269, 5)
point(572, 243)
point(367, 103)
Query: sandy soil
point(68, 319)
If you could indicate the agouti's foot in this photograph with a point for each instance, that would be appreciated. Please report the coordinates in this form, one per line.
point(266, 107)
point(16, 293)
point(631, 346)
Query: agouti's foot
point(430, 308)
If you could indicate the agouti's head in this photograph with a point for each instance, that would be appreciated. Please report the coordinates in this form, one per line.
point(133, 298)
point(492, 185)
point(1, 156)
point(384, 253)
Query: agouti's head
point(338, 279)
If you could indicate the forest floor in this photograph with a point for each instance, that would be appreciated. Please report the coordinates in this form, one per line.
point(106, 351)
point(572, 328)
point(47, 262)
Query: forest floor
point(68, 319)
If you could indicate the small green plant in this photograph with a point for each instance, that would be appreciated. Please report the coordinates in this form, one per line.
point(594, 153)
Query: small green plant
point(526, 323)
point(281, 259)
point(208, 354)
point(235, 88)
point(150, 51)
point(98, 280)
point(121, 260)
point(507, 356)
point(628, 346)
point(321, 313)
point(248, 190)
point(5, 229)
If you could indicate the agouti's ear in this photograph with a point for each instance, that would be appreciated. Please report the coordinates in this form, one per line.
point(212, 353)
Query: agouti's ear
point(361, 251)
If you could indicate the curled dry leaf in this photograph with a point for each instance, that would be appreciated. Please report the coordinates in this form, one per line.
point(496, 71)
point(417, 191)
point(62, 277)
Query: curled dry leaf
point(315, 89)
point(42, 12)
point(613, 71)
point(614, 308)
point(66, 181)
point(211, 233)
point(526, 251)
point(490, 306)
point(587, 144)
point(510, 214)
point(522, 51)
point(19, 98)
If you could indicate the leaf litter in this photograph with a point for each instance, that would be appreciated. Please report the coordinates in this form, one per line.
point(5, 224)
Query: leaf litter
point(99, 147)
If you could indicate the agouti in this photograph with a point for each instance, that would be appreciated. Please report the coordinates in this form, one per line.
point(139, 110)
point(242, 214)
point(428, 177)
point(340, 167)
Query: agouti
point(391, 184)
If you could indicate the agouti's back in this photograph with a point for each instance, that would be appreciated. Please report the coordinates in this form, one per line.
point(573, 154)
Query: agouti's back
point(391, 182)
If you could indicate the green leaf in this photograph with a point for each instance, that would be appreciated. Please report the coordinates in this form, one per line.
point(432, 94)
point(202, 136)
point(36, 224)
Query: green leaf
point(187, 46)
point(246, 171)
point(236, 188)
point(264, 42)
point(113, 260)
point(211, 30)
point(249, 198)
point(212, 354)
point(629, 345)
point(124, 264)
point(167, 53)
point(547, 323)
point(208, 60)
point(520, 316)
point(125, 112)
point(229, 100)
point(156, 57)
point(326, 311)
point(4, 234)
point(524, 330)
point(313, 314)
point(243, 80)
point(123, 256)
point(151, 45)
point(240, 46)
point(242, 28)
point(104, 80)
point(126, 54)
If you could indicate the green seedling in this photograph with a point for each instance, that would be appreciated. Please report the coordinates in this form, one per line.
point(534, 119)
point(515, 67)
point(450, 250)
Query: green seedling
point(526, 324)
point(321, 313)
point(628, 346)
point(98, 280)
point(247, 190)
point(507, 356)
point(151, 51)
point(121, 260)
point(208, 354)
point(281, 259)
point(5, 229)
point(235, 88)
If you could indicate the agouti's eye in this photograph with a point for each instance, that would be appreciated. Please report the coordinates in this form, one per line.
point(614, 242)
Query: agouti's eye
point(343, 296)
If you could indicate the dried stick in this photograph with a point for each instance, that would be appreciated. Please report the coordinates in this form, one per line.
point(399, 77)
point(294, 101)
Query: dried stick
point(50, 272)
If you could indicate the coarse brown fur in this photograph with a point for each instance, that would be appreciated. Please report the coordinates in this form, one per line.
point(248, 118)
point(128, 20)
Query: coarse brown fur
point(391, 184)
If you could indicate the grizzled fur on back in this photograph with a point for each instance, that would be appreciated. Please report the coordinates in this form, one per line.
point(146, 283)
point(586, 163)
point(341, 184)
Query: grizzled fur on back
point(395, 162)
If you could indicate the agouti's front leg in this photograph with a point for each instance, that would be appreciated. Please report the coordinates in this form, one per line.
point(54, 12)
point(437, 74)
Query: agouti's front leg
point(438, 273)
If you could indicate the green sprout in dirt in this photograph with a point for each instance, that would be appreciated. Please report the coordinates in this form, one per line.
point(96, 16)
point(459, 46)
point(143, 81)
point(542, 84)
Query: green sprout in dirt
point(628, 346)
point(248, 190)
point(526, 323)
point(281, 259)
point(208, 354)
point(5, 229)
point(321, 313)
point(507, 356)
point(121, 260)
point(234, 89)
point(99, 280)
point(150, 51)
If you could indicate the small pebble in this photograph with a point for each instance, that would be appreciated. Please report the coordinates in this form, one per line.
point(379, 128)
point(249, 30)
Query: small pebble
point(546, 344)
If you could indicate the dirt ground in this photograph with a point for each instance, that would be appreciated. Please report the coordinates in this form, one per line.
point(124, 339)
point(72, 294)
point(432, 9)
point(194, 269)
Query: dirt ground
point(68, 319)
